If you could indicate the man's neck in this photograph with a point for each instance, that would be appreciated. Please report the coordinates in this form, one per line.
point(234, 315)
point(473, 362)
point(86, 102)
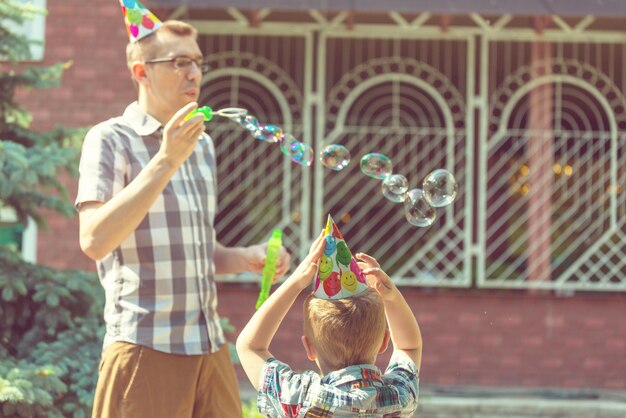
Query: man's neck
point(153, 110)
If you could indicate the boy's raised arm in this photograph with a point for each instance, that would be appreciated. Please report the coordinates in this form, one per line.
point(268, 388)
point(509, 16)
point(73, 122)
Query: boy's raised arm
point(403, 327)
point(255, 338)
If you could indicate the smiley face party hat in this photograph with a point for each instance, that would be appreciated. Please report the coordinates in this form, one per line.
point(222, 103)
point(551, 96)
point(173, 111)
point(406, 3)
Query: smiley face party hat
point(140, 22)
point(338, 276)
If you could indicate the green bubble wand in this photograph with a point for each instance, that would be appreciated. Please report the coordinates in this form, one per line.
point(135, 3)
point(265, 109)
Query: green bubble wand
point(269, 269)
point(232, 113)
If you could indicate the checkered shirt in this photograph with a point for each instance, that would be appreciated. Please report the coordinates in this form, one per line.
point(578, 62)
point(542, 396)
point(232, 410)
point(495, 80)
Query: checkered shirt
point(159, 283)
point(356, 391)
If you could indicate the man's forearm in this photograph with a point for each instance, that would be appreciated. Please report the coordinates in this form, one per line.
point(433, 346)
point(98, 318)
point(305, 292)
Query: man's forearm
point(104, 228)
point(229, 260)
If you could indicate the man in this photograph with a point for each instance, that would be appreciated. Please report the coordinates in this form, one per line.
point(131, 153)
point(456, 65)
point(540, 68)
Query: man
point(147, 201)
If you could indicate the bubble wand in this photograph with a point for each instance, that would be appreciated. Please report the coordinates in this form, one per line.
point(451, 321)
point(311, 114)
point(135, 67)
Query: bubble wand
point(269, 270)
point(231, 113)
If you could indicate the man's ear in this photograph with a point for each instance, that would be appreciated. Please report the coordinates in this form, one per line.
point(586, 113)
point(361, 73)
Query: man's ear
point(308, 347)
point(138, 70)
point(385, 343)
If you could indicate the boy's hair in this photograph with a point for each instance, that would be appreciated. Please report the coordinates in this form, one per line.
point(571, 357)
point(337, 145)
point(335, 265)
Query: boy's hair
point(145, 48)
point(348, 331)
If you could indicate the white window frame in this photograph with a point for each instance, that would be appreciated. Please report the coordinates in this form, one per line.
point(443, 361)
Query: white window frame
point(29, 236)
point(34, 29)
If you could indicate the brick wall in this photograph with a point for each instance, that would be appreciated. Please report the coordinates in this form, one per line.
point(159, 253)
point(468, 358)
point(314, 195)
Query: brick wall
point(96, 87)
point(92, 36)
point(483, 338)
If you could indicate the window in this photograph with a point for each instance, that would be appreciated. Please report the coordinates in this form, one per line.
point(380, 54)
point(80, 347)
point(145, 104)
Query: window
point(14, 234)
point(34, 29)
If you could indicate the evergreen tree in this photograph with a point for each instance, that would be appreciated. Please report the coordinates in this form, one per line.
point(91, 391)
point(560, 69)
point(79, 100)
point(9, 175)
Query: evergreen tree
point(51, 328)
point(29, 160)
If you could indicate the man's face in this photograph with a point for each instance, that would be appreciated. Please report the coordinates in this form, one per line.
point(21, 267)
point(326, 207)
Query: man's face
point(170, 88)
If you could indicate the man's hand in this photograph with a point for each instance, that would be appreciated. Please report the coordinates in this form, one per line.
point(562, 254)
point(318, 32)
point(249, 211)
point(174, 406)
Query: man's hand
point(255, 257)
point(181, 136)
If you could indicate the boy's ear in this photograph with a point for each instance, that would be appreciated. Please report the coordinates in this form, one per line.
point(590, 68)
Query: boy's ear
point(138, 70)
point(385, 343)
point(308, 347)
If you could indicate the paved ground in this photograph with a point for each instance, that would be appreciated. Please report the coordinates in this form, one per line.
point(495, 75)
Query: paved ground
point(464, 402)
point(468, 407)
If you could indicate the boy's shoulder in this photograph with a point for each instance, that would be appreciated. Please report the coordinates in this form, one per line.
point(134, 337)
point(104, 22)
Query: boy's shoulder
point(402, 363)
point(282, 389)
point(279, 376)
point(400, 371)
point(361, 386)
point(403, 374)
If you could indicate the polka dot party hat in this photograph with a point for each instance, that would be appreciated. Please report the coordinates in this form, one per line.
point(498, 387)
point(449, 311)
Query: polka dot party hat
point(140, 22)
point(338, 276)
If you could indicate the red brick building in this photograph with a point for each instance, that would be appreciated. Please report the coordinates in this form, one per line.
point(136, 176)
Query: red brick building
point(476, 330)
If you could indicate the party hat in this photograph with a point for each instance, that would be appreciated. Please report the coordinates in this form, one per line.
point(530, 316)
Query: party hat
point(338, 275)
point(140, 22)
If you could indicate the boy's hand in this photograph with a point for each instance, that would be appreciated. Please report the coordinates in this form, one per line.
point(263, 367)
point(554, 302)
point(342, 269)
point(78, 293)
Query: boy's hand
point(376, 277)
point(305, 272)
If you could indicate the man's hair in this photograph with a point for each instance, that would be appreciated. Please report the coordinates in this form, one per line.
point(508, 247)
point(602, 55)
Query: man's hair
point(347, 331)
point(146, 48)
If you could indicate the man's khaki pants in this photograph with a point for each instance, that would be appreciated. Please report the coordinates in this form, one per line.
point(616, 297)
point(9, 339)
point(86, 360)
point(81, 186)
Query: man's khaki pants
point(138, 382)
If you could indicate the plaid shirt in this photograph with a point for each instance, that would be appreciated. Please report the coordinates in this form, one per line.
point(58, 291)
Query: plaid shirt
point(356, 391)
point(159, 284)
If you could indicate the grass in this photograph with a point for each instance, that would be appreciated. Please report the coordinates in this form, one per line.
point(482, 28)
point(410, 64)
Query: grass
point(250, 411)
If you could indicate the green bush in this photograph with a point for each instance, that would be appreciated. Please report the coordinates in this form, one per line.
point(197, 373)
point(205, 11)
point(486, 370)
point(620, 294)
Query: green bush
point(50, 339)
point(50, 332)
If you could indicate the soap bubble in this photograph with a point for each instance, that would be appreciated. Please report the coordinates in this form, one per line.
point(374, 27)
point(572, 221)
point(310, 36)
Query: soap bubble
point(440, 188)
point(335, 157)
point(249, 122)
point(376, 165)
point(394, 187)
point(303, 155)
point(299, 152)
point(290, 146)
point(417, 210)
point(268, 133)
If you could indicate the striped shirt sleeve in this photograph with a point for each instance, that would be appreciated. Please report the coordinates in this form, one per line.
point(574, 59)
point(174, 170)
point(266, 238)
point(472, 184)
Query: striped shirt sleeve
point(282, 392)
point(102, 168)
point(404, 376)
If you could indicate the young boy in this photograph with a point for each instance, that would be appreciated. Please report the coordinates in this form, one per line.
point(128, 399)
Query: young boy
point(343, 336)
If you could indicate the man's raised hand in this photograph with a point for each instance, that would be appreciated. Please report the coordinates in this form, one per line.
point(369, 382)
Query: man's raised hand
point(180, 136)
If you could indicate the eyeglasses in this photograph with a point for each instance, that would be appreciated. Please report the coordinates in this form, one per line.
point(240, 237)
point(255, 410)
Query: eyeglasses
point(183, 63)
